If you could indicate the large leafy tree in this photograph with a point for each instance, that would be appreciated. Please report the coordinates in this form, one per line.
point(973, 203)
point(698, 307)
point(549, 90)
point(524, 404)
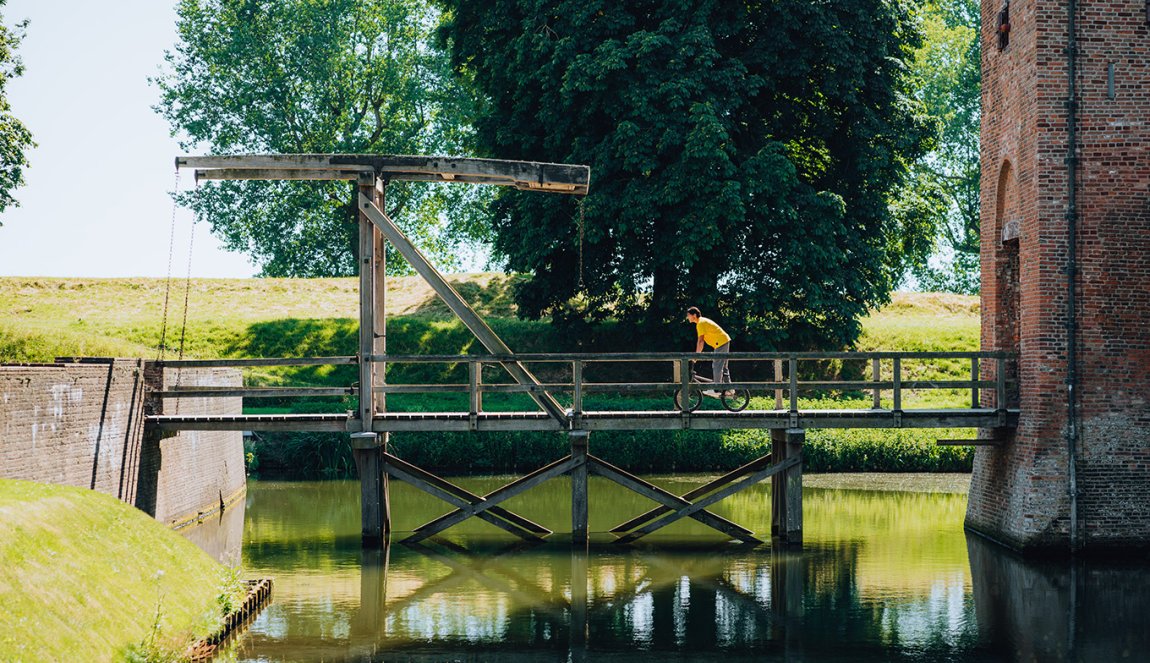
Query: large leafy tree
point(743, 157)
point(325, 76)
point(947, 74)
point(15, 138)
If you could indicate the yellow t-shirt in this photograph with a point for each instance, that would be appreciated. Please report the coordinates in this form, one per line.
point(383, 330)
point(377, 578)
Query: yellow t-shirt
point(713, 335)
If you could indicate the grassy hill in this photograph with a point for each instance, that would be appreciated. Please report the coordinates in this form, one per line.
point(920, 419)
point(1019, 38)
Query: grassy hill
point(84, 576)
point(42, 318)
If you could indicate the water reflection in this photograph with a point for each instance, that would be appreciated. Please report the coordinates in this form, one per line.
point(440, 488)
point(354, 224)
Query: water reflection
point(884, 576)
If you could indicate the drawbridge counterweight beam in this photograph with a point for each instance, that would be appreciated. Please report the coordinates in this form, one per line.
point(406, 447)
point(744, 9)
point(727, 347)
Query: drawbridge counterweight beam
point(526, 175)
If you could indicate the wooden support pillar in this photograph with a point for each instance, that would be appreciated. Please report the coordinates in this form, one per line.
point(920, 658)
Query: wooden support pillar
point(367, 247)
point(778, 482)
point(375, 502)
point(787, 487)
point(794, 480)
point(579, 513)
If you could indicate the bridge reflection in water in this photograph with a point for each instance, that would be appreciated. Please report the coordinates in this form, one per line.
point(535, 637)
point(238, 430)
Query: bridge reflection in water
point(882, 576)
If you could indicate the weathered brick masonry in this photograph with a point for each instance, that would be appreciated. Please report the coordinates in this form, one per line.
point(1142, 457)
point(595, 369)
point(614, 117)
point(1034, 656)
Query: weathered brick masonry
point(82, 424)
point(1019, 493)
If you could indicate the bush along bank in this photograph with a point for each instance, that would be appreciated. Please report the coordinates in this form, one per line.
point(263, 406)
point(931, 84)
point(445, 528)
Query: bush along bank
point(328, 455)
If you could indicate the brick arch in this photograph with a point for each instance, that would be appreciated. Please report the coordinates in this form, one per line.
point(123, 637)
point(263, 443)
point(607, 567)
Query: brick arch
point(1007, 228)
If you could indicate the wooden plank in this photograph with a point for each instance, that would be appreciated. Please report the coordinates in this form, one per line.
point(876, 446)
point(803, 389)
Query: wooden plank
point(549, 471)
point(472, 320)
point(654, 493)
point(605, 357)
point(272, 361)
point(705, 502)
point(468, 498)
point(446, 496)
point(218, 174)
point(693, 494)
point(253, 392)
point(560, 178)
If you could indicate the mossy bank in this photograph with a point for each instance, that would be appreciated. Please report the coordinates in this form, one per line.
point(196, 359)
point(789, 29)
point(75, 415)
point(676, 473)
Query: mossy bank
point(84, 576)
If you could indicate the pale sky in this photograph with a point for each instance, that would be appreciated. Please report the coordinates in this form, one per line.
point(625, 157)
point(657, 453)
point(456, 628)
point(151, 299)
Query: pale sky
point(95, 201)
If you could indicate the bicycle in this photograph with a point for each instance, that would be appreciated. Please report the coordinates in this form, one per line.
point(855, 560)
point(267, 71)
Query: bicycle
point(734, 400)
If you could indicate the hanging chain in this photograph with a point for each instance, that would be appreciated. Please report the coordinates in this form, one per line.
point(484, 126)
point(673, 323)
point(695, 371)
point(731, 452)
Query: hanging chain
point(187, 287)
point(581, 231)
point(168, 278)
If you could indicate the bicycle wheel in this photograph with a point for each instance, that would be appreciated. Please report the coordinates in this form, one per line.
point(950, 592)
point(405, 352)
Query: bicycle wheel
point(736, 400)
point(693, 401)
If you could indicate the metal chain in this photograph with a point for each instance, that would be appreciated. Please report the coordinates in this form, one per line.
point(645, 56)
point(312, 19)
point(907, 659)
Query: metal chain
point(168, 278)
point(581, 227)
point(187, 287)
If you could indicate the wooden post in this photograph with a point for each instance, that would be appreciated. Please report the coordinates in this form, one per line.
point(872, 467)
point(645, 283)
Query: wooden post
point(579, 487)
point(373, 498)
point(974, 375)
point(778, 378)
point(577, 381)
point(794, 379)
point(367, 244)
point(897, 368)
point(794, 492)
point(379, 345)
point(876, 375)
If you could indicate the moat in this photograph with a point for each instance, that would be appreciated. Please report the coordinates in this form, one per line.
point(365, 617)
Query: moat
point(886, 573)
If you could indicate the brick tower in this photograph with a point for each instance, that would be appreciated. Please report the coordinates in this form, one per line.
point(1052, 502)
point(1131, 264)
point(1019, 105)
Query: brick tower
point(1066, 199)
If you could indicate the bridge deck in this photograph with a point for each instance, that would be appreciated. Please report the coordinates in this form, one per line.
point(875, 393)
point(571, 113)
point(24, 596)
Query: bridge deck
point(602, 420)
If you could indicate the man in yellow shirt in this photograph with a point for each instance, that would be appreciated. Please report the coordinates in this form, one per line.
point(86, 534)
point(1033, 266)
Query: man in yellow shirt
point(712, 334)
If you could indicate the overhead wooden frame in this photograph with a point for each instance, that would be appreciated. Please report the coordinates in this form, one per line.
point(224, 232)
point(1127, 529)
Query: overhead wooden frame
point(526, 175)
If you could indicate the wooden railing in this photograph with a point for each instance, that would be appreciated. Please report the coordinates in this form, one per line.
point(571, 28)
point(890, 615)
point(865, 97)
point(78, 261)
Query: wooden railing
point(886, 374)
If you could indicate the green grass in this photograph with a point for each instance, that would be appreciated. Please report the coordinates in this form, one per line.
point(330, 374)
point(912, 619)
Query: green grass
point(41, 319)
point(84, 576)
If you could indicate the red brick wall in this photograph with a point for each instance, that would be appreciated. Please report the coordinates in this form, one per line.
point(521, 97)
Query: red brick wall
point(82, 424)
point(1019, 493)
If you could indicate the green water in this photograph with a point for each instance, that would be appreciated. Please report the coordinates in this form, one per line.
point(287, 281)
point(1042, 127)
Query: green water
point(882, 575)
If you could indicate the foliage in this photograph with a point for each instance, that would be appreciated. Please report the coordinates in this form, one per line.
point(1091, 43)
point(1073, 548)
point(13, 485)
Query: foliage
point(947, 74)
point(15, 138)
point(743, 158)
point(328, 76)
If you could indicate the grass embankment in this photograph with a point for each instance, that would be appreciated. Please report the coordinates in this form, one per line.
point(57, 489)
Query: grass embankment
point(44, 318)
point(84, 576)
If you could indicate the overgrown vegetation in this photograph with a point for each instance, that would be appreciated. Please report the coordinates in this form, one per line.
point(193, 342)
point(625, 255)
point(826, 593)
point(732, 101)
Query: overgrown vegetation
point(45, 318)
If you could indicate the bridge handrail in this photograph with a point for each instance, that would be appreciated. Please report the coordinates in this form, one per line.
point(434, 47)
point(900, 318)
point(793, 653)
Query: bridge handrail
point(790, 386)
point(577, 356)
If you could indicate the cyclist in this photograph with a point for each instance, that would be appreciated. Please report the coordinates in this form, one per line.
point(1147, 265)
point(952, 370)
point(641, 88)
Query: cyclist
point(709, 332)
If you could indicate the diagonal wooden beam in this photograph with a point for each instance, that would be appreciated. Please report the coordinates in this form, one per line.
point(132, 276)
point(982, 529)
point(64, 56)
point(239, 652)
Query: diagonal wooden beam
point(653, 492)
point(558, 468)
point(694, 493)
point(460, 497)
point(461, 308)
point(687, 511)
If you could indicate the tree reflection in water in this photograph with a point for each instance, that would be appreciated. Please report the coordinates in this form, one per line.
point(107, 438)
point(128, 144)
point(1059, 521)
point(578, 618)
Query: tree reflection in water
point(884, 576)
